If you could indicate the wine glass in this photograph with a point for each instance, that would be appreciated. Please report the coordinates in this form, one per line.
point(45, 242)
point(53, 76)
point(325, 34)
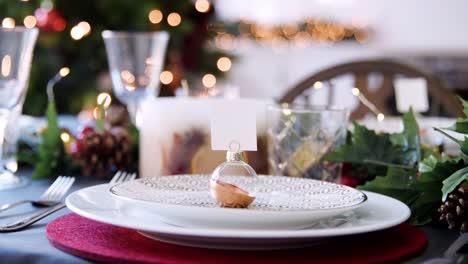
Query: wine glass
point(16, 51)
point(135, 62)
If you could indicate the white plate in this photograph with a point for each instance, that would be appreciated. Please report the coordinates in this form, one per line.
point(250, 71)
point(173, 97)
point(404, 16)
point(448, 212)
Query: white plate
point(281, 202)
point(379, 212)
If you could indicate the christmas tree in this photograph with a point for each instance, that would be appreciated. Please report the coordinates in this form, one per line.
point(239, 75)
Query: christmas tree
point(71, 36)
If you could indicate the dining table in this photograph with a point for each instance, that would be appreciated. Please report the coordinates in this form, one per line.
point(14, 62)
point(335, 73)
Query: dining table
point(32, 246)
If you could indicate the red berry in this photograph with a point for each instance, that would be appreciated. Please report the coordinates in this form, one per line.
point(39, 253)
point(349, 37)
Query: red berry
point(349, 180)
point(85, 131)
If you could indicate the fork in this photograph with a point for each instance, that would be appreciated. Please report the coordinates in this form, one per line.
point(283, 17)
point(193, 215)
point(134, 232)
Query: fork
point(122, 176)
point(50, 197)
point(119, 177)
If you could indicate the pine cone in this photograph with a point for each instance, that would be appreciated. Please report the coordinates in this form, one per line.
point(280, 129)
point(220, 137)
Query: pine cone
point(453, 210)
point(101, 154)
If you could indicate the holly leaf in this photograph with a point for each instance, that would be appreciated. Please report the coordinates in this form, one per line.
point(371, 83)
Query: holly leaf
point(452, 182)
point(395, 184)
point(422, 194)
point(397, 150)
point(465, 105)
point(428, 199)
point(463, 144)
point(428, 164)
point(409, 139)
point(51, 150)
point(461, 125)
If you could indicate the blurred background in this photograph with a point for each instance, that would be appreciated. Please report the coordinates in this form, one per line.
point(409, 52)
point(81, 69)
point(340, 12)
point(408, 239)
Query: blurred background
point(253, 48)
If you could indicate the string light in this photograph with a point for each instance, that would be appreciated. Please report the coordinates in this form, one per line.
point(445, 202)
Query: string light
point(64, 71)
point(355, 91)
point(209, 80)
point(174, 19)
point(380, 117)
point(8, 22)
point(155, 16)
point(300, 34)
point(85, 27)
point(361, 36)
point(318, 85)
point(65, 137)
point(76, 33)
point(104, 99)
point(202, 6)
point(224, 64)
point(80, 30)
point(166, 77)
point(30, 21)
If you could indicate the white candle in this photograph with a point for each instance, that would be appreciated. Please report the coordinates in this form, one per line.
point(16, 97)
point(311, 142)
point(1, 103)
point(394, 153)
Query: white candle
point(166, 124)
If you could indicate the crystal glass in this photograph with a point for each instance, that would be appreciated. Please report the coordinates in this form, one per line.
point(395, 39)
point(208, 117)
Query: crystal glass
point(10, 142)
point(16, 51)
point(298, 138)
point(135, 62)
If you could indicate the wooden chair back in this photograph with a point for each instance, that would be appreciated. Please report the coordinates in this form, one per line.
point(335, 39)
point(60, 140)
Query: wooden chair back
point(440, 96)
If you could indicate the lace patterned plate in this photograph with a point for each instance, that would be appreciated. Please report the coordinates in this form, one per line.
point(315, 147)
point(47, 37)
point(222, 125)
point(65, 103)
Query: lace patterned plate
point(281, 202)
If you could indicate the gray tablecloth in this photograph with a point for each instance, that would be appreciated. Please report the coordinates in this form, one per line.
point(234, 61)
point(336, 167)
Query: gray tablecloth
point(32, 246)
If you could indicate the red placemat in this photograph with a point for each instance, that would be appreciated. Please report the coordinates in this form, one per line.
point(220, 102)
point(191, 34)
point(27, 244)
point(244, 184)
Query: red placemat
point(110, 244)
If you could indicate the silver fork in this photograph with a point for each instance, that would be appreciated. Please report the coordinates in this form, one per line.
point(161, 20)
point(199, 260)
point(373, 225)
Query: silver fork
point(122, 176)
point(50, 197)
point(119, 177)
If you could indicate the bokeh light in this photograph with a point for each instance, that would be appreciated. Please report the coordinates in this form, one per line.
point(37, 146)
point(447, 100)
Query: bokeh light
point(209, 80)
point(166, 77)
point(202, 6)
point(104, 99)
point(30, 21)
point(8, 22)
point(224, 64)
point(155, 16)
point(174, 19)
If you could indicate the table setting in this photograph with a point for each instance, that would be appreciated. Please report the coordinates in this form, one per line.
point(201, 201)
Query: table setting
point(137, 178)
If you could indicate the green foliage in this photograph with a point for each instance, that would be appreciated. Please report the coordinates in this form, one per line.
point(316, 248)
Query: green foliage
point(463, 144)
point(457, 177)
point(396, 160)
point(452, 182)
point(421, 193)
point(461, 125)
point(51, 150)
point(100, 121)
point(395, 184)
point(367, 147)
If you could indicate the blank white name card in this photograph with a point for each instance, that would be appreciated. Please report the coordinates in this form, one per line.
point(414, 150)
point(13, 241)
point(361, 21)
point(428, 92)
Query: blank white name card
point(411, 92)
point(234, 122)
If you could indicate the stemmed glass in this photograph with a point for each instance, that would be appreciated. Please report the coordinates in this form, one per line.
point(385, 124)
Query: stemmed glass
point(135, 62)
point(16, 51)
